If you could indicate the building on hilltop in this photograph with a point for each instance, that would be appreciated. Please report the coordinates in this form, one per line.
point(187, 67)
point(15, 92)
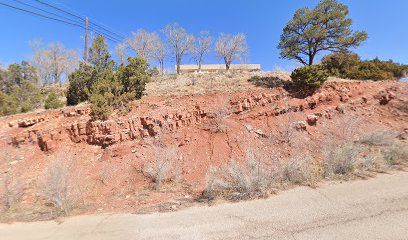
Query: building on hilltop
point(214, 68)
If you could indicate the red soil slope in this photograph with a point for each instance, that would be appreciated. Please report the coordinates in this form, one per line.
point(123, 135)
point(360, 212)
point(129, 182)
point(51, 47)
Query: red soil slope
point(108, 158)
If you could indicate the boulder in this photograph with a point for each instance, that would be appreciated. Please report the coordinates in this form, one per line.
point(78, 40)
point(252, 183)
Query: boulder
point(312, 119)
point(300, 126)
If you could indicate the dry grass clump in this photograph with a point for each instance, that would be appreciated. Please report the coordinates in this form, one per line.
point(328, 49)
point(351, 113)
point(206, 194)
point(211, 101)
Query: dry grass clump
point(164, 168)
point(376, 151)
point(59, 187)
point(299, 171)
point(340, 157)
point(204, 83)
point(54, 185)
point(344, 156)
point(397, 154)
point(11, 187)
point(256, 178)
point(239, 181)
point(378, 138)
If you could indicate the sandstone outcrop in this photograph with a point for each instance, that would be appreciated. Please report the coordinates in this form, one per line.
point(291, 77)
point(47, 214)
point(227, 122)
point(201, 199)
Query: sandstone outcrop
point(77, 126)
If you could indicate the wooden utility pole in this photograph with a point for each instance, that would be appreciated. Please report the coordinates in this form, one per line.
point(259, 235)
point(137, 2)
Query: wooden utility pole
point(86, 40)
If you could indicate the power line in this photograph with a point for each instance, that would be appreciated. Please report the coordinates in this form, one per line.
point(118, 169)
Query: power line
point(77, 16)
point(39, 14)
point(111, 34)
point(59, 9)
point(45, 11)
point(60, 20)
point(94, 21)
point(106, 30)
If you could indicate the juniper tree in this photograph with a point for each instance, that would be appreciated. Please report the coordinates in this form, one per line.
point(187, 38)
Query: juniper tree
point(324, 28)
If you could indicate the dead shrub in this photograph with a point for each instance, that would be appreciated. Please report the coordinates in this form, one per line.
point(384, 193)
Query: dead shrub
point(165, 166)
point(54, 185)
point(298, 170)
point(236, 182)
point(340, 157)
point(397, 154)
point(216, 121)
point(11, 189)
point(378, 138)
point(286, 131)
point(11, 192)
point(372, 162)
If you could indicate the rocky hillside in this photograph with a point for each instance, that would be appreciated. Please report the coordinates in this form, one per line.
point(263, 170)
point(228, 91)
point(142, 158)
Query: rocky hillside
point(115, 165)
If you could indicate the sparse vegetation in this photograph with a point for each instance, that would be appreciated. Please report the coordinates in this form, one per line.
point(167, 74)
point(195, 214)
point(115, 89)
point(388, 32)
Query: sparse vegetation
point(378, 138)
point(11, 189)
point(340, 157)
point(54, 184)
point(397, 154)
point(239, 181)
point(216, 123)
point(346, 154)
point(215, 120)
point(164, 166)
point(298, 170)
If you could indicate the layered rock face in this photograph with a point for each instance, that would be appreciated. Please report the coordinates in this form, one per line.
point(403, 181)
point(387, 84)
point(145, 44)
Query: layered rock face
point(118, 130)
point(77, 127)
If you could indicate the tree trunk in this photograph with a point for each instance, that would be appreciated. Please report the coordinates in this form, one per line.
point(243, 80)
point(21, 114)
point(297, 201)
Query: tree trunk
point(227, 66)
point(161, 68)
point(199, 66)
point(311, 58)
point(178, 61)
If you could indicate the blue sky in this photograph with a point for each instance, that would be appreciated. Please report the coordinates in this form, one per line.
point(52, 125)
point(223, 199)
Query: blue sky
point(261, 20)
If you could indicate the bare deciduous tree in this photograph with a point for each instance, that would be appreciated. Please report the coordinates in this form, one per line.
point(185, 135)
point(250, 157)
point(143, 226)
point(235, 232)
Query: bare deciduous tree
point(53, 61)
point(120, 50)
point(179, 40)
point(142, 42)
point(159, 53)
point(201, 48)
point(231, 47)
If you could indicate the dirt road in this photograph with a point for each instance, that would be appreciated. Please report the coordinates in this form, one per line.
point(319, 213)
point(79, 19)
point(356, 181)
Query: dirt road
point(372, 209)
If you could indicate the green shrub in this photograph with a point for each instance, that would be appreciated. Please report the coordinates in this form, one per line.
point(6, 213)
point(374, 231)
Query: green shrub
point(80, 82)
point(107, 95)
point(99, 66)
point(8, 104)
point(28, 96)
point(134, 76)
point(340, 64)
point(116, 90)
point(309, 77)
point(107, 87)
point(20, 99)
point(103, 95)
point(52, 101)
point(349, 65)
